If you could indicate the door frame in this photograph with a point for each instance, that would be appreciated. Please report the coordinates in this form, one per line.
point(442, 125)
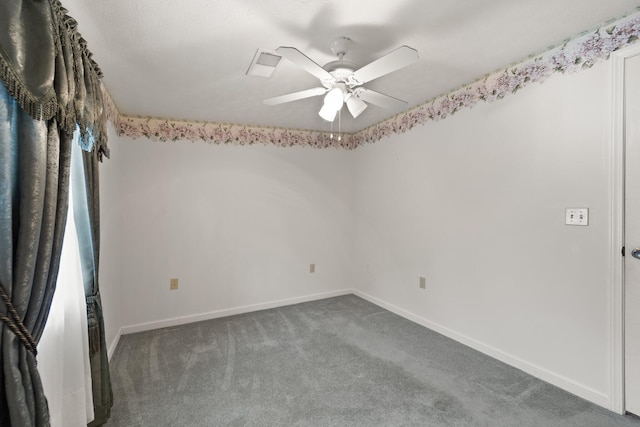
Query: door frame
point(616, 260)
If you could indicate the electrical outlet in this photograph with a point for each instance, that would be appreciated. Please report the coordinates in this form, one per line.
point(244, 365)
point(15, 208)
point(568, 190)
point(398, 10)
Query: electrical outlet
point(312, 268)
point(173, 283)
point(577, 216)
point(423, 283)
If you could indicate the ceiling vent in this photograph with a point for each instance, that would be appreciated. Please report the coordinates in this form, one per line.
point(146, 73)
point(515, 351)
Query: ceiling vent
point(264, 63)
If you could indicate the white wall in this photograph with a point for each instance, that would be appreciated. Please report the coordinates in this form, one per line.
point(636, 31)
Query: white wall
point(476, 205)
point(111, 214)
point(239, 226)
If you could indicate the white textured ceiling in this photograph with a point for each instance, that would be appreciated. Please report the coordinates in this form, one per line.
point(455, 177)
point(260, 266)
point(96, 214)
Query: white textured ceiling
point(187, 59)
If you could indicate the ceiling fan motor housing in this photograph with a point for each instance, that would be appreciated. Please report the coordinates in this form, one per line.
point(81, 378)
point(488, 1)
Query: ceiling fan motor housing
point(340, 73)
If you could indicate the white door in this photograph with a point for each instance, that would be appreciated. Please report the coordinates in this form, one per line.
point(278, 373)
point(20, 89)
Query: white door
point(632, 234)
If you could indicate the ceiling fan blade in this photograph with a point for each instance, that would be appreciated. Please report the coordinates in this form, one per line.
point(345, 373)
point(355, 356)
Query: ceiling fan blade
point(399, 58)
point(304, 62)
point(379, 99)
point(316, 91)
point(356, 106)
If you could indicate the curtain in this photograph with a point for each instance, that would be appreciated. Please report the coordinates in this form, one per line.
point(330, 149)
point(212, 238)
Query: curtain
point(50, 86)
point(34, 176)
point(87, 218)
point(63, 350)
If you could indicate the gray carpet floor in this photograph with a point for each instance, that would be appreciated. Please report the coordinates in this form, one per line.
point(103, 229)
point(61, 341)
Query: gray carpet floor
point(335, 362)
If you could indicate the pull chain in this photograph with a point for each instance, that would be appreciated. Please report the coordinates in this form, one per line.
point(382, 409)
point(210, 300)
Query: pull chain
point(340, 124)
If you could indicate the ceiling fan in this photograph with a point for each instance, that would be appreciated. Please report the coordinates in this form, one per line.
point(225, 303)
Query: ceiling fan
point(342, 82)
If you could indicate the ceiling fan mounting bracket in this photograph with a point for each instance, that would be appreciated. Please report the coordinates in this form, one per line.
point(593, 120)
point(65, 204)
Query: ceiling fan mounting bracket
point(340, 46)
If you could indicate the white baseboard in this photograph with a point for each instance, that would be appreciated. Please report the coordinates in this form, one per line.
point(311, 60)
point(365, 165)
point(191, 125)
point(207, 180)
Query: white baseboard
point(558, 380)
point(112, 347)
point(147, 326)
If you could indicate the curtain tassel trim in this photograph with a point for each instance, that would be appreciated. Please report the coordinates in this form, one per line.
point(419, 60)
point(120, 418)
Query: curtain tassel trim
point(15, 324)
point(39, 109)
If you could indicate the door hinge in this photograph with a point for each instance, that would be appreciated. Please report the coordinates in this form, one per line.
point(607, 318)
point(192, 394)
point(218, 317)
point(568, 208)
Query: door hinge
point(623, 251)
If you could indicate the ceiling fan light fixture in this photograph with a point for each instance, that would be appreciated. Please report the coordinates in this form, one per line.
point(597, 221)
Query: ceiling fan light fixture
point(327, 113)
point(356, 106)
point(333, 101)
point(334, 98)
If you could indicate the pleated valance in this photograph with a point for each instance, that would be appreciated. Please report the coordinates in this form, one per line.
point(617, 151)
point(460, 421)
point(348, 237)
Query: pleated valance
point(47, 68)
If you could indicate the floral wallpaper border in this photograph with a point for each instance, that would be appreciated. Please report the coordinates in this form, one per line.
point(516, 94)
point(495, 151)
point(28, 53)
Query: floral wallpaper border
point(222, 133)
point(574, 55)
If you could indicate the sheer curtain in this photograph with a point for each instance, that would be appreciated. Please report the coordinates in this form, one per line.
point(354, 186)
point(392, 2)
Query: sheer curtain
point(63, 351)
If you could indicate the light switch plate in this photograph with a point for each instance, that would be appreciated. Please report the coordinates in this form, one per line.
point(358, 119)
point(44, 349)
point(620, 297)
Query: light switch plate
point(577, 216)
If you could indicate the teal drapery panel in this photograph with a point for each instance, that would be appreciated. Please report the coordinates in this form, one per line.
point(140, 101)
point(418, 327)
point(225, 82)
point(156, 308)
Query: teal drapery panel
point(34, 182)
point(50, 86)
point(87, 217)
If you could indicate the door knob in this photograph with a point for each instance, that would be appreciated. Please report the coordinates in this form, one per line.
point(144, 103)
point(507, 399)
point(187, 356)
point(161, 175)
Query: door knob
point(636, 253)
